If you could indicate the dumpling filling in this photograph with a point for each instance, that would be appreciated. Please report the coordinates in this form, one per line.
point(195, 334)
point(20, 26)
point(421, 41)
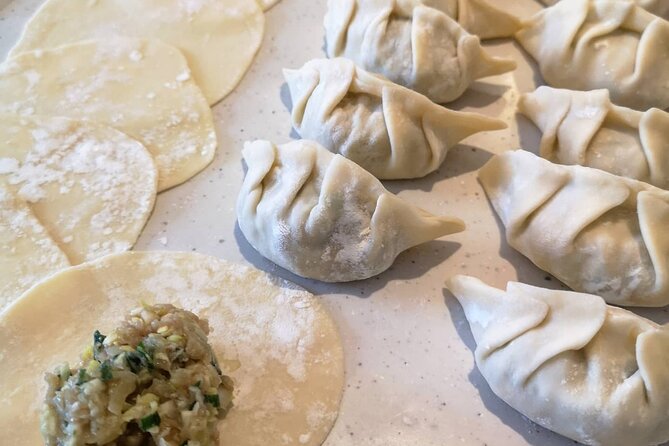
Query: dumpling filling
point(154, 381)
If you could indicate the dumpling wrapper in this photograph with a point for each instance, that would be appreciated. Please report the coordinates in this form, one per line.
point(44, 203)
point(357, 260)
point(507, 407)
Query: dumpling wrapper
point(387, 129)
point(594, 373)
point(27, 252)
point(267, 4)
point(141, 87)
point(596, 232)
point(602, 44)
point(218, 37)
point(585, 128)
point(657, 7)
point(411, 44)
point(321, 216)
point(276, 341)
point(92, 187)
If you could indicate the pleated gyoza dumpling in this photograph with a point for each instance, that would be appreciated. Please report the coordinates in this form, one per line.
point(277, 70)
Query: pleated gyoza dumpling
point(597, 232)
point(567, 361)
point(324, 217)
point(593, 44)
point(586, 128)
point(389, 130)
point(657, 7)
point(411, 44)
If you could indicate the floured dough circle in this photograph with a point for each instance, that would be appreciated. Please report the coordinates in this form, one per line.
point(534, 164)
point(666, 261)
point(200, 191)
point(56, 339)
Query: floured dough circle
point(27, 253)
point(140, 87)
point(219, 37)
point(279, 345)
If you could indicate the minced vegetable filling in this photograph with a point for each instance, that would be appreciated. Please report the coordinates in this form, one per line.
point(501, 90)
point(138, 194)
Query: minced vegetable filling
point(154, 381)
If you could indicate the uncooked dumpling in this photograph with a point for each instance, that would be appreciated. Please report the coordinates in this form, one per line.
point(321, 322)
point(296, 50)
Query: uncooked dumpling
point(389, 130)
point(596, 232)
point(657, 7)
point(586, 128)
point(218, 37)
point(611, 44)
point(411, 44)
point(279, 345)
point(27, 252)
point(90, 186)
point(142, 88)
point(324, 217)
point(591, 372)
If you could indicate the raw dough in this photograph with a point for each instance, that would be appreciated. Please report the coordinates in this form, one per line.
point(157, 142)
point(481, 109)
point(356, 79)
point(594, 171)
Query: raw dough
point(657, 7)
point(391, 131)
point(321, 216)
point(584, 127)
point(218, 37)
point(92, 187)
point(279, 345)
point(596, 232)
point(27, 252)
point(591, 372)
point(267, 4)
point(141, 87)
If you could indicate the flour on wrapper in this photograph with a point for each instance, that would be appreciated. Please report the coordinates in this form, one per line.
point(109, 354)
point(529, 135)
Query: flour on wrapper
point(596, 232)
point(143, 88)
point(323, 217)
point(27, 253)
point(218, 37)
point(657, 7)
point(585, 128)
point(278, 344)
point(411, 44)
point(387, 129)
point(591, 372)
point(595, 44)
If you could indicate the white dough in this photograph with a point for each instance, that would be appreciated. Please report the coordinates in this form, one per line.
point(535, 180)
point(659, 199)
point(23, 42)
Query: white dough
point(411, 44)
point(27, 252)
point(389, 130)
point(324, 217)
point(218, 37)
point(91, 187)
point(591, 372)
point(586, 128)
point(596, 232)
point(657, 7)
point(610, 44)
point(142, 88)
point(278, 344)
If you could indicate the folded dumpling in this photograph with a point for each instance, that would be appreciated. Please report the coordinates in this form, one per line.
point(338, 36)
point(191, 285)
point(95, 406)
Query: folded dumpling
point(586, 128)
point(411, 44)
point(597, 232)
point(389, 130)
point(324, 217)
point(591, 372)
point(657, 7)
point(593, 44)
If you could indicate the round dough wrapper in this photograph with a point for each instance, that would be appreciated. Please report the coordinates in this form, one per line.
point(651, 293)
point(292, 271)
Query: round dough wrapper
point(92, 187)
point(218, 37)
point(278, 344)
point(27, 253)
point(141, 87)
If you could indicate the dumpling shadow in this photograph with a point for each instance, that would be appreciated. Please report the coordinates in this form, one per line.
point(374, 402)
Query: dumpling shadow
point(537, 78)
point(532, 433)
point(409, 265)
point(287, 101)
point(460, 160)
point(479, 94)
point(530, 136)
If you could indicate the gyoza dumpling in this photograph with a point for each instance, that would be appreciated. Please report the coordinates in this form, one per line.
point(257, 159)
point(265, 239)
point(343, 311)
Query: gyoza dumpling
point(389, 130)
point(596, 232)
point(594, 373)
point(657, 7)
point(612, 44)
point(324, 217)
point(411, 44)
point(586, 128)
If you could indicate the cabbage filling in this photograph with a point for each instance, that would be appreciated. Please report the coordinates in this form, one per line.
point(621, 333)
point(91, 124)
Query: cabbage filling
point(154, 381)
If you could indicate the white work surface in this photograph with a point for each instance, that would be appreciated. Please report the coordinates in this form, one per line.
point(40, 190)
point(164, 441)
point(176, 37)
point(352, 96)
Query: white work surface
point(411, 378)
